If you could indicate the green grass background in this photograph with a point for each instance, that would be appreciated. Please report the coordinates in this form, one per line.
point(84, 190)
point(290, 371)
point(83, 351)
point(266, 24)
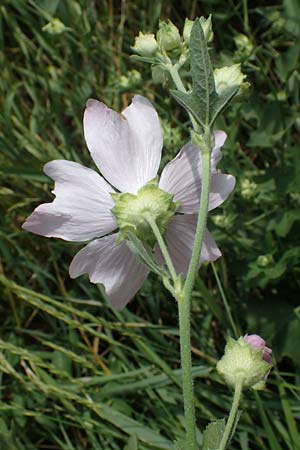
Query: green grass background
point(74, 373)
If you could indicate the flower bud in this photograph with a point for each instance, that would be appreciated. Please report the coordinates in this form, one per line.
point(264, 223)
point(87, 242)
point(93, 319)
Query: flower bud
point(207, 28)
point(145, 44)
point(168, 36)
point(246, 361)
point(244, 47)
point(172, 135)
point(248, 189)
point(129, 81)
point(264, 260)
point(229, 76)
point(55, 26)
point(187, 29)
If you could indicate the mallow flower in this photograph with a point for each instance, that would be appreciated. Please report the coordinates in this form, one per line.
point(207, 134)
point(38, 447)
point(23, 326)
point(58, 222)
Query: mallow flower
point(127, 148)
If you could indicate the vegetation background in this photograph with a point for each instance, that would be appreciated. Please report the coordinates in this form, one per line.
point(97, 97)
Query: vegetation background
point(76, 374)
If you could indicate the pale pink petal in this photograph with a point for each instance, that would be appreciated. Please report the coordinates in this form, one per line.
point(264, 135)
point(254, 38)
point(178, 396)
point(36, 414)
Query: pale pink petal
point(82, 207)
point(182, 177)
point(220, 138)
point(111, 263)
point(221, 186)
point(180, 238)
point(258, 343)
point(145, 127)
point(126, 148)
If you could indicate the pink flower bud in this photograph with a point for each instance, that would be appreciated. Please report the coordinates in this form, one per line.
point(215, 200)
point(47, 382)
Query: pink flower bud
point(258, 343)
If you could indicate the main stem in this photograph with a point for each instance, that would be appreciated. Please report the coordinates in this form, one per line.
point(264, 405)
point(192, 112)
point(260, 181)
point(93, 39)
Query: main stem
point(232, 416)
point(201, 224)
point(184, 298)
point(184, 309)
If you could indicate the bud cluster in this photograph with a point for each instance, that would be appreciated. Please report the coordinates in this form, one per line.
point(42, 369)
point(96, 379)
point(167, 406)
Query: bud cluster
point(168, 48)
point(168, 38)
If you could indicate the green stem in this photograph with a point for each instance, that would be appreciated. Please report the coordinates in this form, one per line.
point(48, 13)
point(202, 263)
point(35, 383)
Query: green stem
point(245, 13)
point(184, 305)
point(184, 300)
point(176, 78)
point(201, 224)
point(226, 304)
point(163, 248)
point(203, 209)
point(186, 364)
point(232, 416)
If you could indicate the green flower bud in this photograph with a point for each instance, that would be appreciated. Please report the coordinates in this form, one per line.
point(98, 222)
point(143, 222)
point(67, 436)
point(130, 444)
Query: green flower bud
point(55, 26)
point(295, 196)
point(229, 76)
point(244, 46)
point(187, 29)
point(248, 189)
point(129, 81)
point(221, 220)
point(244, 363)
point(145, 44)
point(131, 211)
point(168, 36)
point(172, 135)
point(207, 28)
point(264, 260)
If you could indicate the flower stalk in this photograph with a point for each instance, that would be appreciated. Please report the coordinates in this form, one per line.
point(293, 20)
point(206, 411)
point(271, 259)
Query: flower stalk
point(163, 248)
point(232, 416)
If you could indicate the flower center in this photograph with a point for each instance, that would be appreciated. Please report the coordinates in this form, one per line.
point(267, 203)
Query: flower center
point(132, 211)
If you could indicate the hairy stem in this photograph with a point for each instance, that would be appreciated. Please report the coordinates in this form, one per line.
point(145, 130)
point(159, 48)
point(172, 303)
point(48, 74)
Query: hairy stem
point(232, 417)
point(201, 224)
point(184, 305)
point(163, 248)
point(184, 299)
point(186, 364)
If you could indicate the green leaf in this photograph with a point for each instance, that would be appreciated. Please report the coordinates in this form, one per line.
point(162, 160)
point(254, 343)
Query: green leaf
point(200, 101)
point(283, 226)
point(287, 62)
point(137, 247)
point(132, 443)
point(130, 426)
point(222, 101)
point(213, 434)
point(179, 444)
point(144, 59)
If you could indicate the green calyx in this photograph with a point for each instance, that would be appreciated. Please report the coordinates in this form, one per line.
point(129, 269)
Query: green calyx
point(133, 210)
point(242, 364)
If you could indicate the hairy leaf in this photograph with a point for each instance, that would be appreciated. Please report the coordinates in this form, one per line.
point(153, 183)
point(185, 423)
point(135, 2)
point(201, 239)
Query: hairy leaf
point(213, 434)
